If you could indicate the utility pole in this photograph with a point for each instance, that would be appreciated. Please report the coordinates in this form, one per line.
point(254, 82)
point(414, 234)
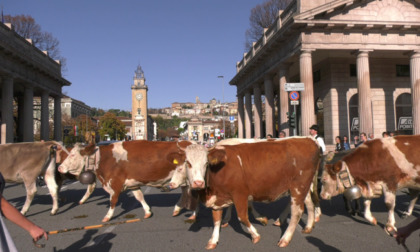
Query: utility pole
point(223, 106)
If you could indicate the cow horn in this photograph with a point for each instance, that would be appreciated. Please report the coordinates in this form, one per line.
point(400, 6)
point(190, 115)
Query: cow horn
point(179, 147)
point(212, 148)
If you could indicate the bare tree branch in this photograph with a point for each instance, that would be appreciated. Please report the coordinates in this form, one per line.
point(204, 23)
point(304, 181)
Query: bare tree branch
point(262, 16)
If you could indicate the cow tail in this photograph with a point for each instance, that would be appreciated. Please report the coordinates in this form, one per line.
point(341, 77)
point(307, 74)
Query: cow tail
point(314, 189)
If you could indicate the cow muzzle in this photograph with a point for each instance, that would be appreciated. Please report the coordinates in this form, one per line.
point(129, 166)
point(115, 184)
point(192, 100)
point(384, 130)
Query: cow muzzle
point(62, 169)
point(198, 184)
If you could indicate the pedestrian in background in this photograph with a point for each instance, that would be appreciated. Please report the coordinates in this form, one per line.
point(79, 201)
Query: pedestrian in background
point(370, 136)
point(339, 146)
point(269, 136)
point(346, 143)
point(313, 131)
point(363, 139)
point(391, 134)
point(13, 215)
point(385, 134)
point(282, 134)
point(356, 141)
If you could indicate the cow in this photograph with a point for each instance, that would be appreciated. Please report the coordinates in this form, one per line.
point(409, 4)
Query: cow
point(129, 165)
point(263, 172)
point(378, 167)
point(61, 155)
point(24, 162)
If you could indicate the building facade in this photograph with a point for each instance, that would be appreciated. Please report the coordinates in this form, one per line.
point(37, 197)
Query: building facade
point(359, 62)
point(26, 72)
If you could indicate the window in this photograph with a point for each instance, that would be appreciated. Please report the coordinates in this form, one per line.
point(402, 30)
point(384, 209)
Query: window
point(317, 76)
point(404, 114)
point(403, 70)
point(353, 70)
point(354, 116)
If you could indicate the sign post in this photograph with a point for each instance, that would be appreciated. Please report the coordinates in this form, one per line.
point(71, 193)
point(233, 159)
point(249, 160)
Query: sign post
point(294, 97)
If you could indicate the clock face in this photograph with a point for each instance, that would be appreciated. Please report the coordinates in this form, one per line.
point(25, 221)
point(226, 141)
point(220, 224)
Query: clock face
point(139, 96)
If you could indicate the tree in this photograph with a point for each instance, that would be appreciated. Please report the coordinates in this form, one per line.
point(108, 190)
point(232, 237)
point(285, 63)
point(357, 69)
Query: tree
point(26, 26)
point(110, 125)
point(262, 16)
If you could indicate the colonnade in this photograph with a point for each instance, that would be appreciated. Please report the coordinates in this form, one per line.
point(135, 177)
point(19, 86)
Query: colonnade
point(307, 97)
point(25, 111)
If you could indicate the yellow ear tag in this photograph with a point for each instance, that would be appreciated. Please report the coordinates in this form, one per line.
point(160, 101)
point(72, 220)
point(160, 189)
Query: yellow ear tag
point(175, 161)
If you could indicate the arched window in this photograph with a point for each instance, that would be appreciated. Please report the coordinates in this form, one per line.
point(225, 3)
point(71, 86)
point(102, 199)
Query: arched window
point(354, 116)
point(404, 114)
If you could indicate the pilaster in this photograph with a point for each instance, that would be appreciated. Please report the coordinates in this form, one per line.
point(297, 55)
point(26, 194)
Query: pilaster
point(241, 116)
point(28, 114)
point(57, 119)
point(284, 99)
point(44, 116)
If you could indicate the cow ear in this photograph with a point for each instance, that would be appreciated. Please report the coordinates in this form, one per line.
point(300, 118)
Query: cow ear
point(337, 167)
point(216, 155)
point(176, 158)
point(329, 156)
point(88, 150)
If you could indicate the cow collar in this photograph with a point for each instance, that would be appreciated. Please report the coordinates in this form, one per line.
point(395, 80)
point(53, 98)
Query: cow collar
point(344, 177)
point(92, 161)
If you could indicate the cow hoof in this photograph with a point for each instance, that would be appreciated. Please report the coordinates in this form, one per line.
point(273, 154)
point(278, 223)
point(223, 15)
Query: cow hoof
point(374, 222)
point(282, 244)
point(256, 239)
point(211, 246)
point(317, 219)
point(106, 219)
point(225, 224)
point(390, 230)
point(405, 215)
point(176, 213)
point(306, 230)
point(148, 215)
point(277, 223)
point(81, 202)
point(263, 220)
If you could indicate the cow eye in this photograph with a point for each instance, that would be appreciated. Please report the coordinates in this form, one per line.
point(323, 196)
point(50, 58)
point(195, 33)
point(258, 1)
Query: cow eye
point(189, 164)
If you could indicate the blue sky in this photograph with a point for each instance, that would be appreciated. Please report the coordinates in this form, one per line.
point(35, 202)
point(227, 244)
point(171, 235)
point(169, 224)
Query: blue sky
point(182, 46)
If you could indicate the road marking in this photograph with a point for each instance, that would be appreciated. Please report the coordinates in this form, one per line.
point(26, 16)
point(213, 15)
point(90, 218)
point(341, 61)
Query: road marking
point(98, 239)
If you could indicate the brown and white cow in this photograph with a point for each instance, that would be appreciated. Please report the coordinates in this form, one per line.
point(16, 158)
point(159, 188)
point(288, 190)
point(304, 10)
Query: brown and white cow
point(263, 172)
point(24, 162)
point(129, 165)
point(378, 167)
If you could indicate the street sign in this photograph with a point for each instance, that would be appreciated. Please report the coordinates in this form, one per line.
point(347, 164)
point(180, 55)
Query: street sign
point(231, 118)
point(222, 131)
point(405, 123)
point(294, 96)
point(355, 124)
point(294, 87)
point(294, 102)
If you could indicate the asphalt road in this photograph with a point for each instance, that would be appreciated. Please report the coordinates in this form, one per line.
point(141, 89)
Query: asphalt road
point(337, 230)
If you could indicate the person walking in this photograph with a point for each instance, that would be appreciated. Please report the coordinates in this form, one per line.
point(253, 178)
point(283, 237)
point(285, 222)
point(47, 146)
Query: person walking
point(339, 146)
point(346, 143)
point(313, 130)
point(370, 136)
point(12, 214)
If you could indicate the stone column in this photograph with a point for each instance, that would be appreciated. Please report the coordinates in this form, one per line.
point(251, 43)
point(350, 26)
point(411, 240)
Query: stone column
point(415, 90)
point(284, 99)
point(241, 116)
point(269, 105)
point(20, 118)
point(57, 119)
point(257, 111)
point(28, 114)
point(363, 88)
point(248, 113)
point(307, 96)
point(44, 116)
point(7, 110)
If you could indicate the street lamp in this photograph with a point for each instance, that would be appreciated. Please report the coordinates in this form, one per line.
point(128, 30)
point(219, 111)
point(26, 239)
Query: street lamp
point(223, 106)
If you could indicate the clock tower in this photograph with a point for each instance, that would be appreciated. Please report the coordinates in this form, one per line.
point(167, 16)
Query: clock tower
point(139, 106)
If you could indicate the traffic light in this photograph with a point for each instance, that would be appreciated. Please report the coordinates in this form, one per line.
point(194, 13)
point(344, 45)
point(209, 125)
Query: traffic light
point(291, 119)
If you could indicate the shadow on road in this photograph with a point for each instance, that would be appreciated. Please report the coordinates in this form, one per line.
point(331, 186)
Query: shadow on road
point(104, 243)
point(321, 245)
